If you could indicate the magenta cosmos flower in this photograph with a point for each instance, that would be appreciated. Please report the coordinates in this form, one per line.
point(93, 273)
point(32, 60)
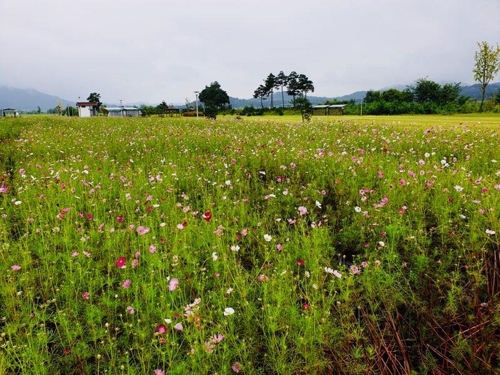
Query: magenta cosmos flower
point(207, 216)
point(121, 262)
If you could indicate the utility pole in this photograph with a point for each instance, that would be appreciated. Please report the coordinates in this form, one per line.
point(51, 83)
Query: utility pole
point(196, 93)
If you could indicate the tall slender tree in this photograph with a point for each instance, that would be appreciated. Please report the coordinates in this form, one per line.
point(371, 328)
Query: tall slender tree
point(305, 84)
point(486, 66)
point(270, 84)
point(293, 88)
point(281, 82)
point(260, 92)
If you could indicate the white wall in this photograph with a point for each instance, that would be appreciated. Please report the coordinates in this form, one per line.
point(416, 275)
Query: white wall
point(84, 111)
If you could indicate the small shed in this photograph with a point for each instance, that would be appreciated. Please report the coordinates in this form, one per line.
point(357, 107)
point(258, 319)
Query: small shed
point(123, 111)
point(87, 109)
point(10, 112)
point(171, 110)
point(328, 109)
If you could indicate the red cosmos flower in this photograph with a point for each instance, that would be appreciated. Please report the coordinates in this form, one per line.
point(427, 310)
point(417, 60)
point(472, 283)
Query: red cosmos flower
point(121, 262)
point(162, 329)
point(207, 216)
point(119, 218)
point(300, 262)
point(305, 306)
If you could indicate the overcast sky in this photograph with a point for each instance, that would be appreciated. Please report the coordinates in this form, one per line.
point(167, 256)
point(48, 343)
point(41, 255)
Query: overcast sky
point(154, 50)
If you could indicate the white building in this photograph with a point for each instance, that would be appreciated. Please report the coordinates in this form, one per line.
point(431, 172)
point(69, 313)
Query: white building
point(87, 109)
point(123, 112)
point(9, 112)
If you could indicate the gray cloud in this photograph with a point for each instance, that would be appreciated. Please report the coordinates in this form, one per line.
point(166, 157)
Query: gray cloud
point(158, 50)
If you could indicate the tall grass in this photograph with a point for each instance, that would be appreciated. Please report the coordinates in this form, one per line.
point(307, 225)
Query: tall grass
point(143, 246)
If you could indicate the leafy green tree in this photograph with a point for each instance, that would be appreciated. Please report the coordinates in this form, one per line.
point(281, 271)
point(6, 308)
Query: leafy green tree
point(293, 87)
point(96, 98)
point(147, 110)
point(281, 82)
point(450, 93)
point(305, 85)
point(270, 85)
point(260, 92)
point(427, 91)
point(70, 111)
point(162, 108)
point(38, 109)
point(497, 97)
point(372, 96)
point(214, 99)
point(486, 66)
point(59, 108)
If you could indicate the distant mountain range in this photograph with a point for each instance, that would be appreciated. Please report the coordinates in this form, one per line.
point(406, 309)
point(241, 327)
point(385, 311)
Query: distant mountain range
point(30, 99)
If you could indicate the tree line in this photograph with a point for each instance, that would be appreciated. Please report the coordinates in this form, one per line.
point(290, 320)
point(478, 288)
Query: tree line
point(294, 84)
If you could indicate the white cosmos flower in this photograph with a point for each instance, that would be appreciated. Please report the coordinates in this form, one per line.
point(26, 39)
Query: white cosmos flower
point(228, 311)
point(267, 237)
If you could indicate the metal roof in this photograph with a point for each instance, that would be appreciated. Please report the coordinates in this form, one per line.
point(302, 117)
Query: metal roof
point(86, 104)
point(329, 106)
point(117, 109)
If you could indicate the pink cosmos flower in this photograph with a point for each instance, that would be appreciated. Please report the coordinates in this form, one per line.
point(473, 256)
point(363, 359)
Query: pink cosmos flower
point(382, 203)
point(86, 295)
point(142, 230)
point(236, 367)
point(173, 284)
point(15, 267)
point(182, 225)
point(119, 218)
point(263, 278)
point(216, 338)
point(159, 372)
point(354, 270)
point(152, 249)
point(179, 327)
point(131, 310)
point(162, 329)
point(4, 189)
point(121, 262)
point(302, 210)
point(126, 284)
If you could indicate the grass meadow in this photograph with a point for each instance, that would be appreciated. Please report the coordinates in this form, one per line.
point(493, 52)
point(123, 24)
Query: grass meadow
point(346, 245)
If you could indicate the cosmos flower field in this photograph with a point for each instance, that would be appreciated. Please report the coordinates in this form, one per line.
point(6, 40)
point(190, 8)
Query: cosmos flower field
point(185, 246)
